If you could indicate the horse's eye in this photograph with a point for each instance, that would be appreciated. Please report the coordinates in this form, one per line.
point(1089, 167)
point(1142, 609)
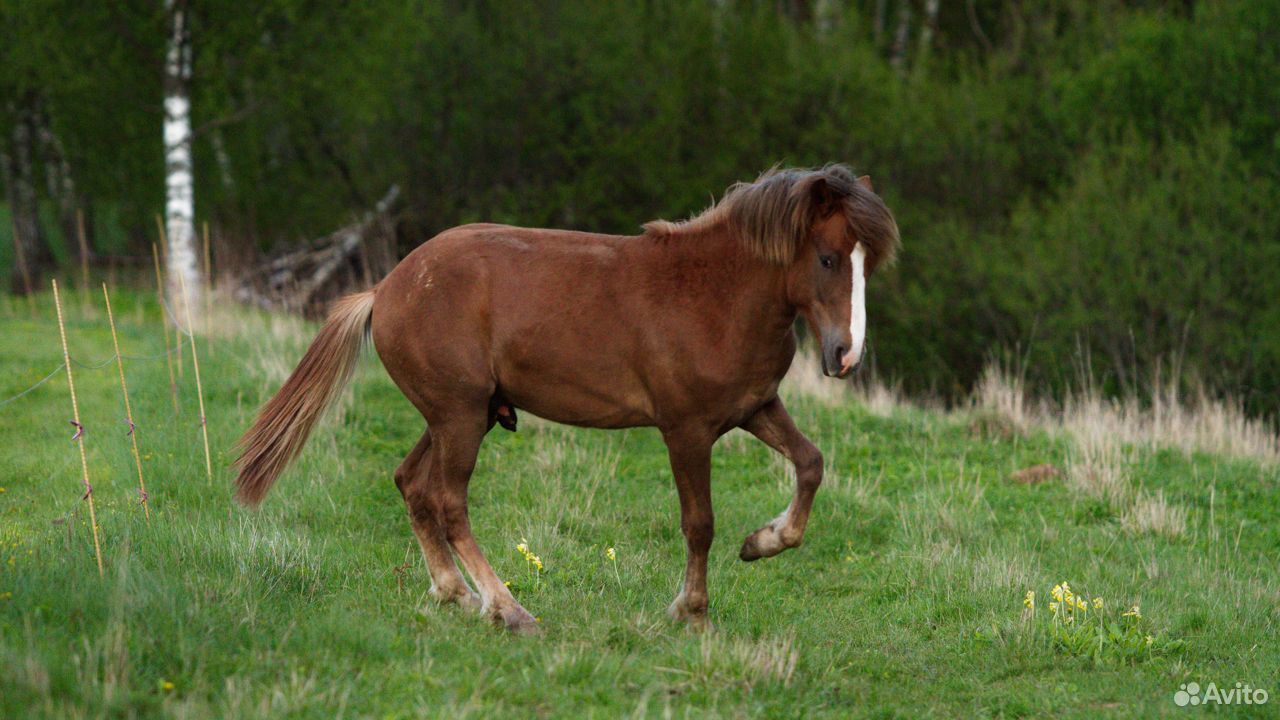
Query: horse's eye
point(828, 261)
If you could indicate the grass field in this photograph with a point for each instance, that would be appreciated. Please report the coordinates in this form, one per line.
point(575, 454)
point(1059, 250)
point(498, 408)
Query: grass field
point(906, 600)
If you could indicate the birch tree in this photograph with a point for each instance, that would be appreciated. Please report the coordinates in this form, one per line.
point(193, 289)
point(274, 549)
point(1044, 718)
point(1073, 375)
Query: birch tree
point(180, 227)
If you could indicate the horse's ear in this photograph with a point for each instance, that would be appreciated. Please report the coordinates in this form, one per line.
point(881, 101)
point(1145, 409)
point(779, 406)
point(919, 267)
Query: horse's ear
point(865, 182)
point(824, 198)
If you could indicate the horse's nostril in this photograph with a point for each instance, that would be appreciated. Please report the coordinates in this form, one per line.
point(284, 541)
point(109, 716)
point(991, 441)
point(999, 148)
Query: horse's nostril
point(839, 352)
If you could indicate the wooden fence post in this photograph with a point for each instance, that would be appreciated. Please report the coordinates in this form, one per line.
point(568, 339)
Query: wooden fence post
point(128, 409)
point(79, 436)
point(164, 326)
point(195, 362)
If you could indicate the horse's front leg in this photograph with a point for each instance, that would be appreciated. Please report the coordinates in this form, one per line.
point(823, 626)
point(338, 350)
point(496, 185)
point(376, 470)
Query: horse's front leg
point(773, 425)
point(690, 453)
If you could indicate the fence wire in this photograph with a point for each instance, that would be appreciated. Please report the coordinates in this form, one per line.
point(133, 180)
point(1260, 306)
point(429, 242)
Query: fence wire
point(85, 366)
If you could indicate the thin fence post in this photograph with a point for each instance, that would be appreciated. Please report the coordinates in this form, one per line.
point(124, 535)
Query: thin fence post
point(128, 409)
point(79, 436)
point(164, 254)
point(208, 292)
point(195, 363)
point(164, 326)
point(84, 259)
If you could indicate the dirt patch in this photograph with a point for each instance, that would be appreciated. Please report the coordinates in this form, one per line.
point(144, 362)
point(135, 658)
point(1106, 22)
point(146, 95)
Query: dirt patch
point(1036, 474)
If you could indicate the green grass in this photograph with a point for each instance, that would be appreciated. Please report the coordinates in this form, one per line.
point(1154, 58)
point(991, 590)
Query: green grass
point(905, 600)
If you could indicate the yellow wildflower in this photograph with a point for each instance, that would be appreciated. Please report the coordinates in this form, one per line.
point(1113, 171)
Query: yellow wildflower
point(1053, 606)
point(1150, 640)
point(1133, 612)
point(611, 554)
point(1097, 603)
point(1081, 604)
point(1057, 592)
point(1030, 600)
point(166, 685)
point(529, 557)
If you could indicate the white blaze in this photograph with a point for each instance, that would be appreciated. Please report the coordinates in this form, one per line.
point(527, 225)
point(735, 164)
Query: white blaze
point(857, 306)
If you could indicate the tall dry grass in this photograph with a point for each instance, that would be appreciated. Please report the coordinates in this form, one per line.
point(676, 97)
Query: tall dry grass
point(1200, 423)
point(1166, 419)
point(1106, 432)
point(805, 379)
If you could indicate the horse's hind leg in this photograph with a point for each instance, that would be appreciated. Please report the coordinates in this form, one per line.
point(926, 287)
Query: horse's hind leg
point(412, 478)
point(776, 429)
point(453, 457)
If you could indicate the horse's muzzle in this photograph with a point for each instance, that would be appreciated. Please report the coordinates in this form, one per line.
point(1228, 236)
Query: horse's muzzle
point(836, 361)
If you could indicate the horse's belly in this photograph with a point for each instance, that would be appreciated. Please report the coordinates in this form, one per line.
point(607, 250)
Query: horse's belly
point(578, 404)
point(578, 369)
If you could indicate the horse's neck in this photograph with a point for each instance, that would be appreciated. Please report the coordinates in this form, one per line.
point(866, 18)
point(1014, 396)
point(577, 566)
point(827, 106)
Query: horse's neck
point(718, 268)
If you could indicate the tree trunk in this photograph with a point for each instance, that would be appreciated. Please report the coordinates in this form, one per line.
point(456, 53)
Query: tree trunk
point(927, 30)
point(877, 23)
point(224, 161)
point(180, 227)
point(60, 183)
point(898, 53)
point(306, 280)
point(31, 249)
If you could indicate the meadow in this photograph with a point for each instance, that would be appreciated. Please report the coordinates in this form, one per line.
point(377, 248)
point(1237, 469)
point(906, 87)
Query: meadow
point(909, 597)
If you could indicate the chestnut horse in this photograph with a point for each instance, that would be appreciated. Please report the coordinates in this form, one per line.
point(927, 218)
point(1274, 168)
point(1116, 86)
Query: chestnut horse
point(687, 328)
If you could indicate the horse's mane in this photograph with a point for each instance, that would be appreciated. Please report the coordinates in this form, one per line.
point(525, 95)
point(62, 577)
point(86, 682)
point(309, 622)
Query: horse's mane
point(774, 215)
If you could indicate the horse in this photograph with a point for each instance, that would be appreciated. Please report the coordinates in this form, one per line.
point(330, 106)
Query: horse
point(688, 327)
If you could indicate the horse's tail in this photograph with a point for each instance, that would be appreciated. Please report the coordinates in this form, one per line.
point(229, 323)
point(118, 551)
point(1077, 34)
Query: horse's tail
point(283, 424)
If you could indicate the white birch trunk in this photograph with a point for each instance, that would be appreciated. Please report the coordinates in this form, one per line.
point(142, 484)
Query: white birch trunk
point(180, 226)
point(898, 53)
point(930, 26)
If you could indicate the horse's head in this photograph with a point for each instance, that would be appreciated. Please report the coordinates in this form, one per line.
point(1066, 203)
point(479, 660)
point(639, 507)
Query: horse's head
point(827, 229)
point(850, 233)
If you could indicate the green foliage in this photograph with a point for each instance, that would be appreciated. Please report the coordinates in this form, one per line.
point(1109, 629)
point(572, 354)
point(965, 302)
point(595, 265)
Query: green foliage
point(1067, 174)
point(1155, 250)
point(1076, 626)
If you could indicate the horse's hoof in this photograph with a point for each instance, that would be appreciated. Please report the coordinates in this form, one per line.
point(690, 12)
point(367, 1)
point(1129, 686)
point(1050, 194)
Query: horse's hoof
point(763, 543)
point(749, 549)
point(518, 621)
point(694, 621)
point(695, 618)
point(462, 596)
point(699, 624)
